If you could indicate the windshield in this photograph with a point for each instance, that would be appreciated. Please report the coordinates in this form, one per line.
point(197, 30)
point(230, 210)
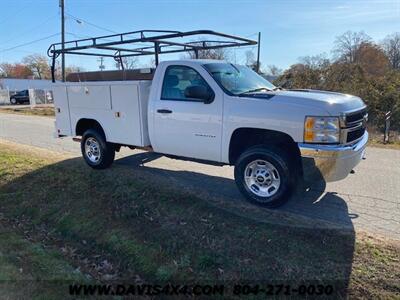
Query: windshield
point(237, 80)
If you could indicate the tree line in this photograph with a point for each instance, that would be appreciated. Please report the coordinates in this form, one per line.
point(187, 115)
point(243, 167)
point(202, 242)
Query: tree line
point(360, 67)
point(33, 66)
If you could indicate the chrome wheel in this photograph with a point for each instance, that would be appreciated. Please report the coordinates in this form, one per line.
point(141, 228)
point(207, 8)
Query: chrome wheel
point(92, 150)
point(262, 178)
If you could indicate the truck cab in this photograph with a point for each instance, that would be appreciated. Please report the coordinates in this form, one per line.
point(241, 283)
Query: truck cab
point(186, 111)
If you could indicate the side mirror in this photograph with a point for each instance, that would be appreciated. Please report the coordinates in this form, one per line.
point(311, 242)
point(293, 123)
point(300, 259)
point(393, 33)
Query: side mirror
point(200, 93)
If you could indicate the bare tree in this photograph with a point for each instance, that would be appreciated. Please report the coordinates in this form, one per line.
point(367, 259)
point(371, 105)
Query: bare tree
point(273, 70)
point(250, 58)
point(38, 64)
point(219, 54)
point(346, 45)
point(315, 61)
point(16, 70)
point(73, 69)
point(391, 46)
point(128, 63)
point(251, 61)
point(6, 69)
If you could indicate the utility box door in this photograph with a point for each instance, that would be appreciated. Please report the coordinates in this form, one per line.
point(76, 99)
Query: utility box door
point(61, 106)
point(127, 123)
point(92, 97)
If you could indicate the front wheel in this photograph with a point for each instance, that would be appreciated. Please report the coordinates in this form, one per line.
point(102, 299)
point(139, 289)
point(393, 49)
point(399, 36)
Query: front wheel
point(263, 176)
point(13, 101)
point(97, 152)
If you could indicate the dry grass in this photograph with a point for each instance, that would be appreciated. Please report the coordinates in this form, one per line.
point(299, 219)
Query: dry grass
point(157, 234)
point(45, 111)
point(376, 139)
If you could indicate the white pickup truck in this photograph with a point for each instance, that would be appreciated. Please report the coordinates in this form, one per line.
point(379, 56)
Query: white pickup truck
point(221, 113)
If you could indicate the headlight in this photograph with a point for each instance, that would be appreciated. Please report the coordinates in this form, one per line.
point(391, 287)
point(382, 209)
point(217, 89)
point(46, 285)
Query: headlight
point(321, 130)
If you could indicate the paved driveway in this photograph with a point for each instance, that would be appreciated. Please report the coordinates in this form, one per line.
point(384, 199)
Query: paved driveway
point(367, 200)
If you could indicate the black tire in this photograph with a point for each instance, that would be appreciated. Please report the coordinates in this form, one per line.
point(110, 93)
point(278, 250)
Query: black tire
point(281, 164)
point(13, 101)
point(106, 151)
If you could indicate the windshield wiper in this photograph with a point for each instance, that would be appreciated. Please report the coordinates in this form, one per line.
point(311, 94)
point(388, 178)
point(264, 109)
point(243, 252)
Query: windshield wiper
point(254, 90)
point(278, 88)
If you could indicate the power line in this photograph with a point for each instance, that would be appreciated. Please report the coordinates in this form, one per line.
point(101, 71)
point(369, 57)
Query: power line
point(89, 23)
point(29, 31)
point(253, 34)
point(80, 20)
point(78, 36)
point(29, 43)
point(105, 39)
point(15, 14)
point(85, 36)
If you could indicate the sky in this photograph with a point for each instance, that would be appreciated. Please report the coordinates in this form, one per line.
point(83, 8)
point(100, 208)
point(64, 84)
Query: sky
point(289, 29)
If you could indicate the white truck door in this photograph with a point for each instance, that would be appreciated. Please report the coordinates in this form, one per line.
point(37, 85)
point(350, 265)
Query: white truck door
point(126, 123)
point(185, 126)
point(61, 106)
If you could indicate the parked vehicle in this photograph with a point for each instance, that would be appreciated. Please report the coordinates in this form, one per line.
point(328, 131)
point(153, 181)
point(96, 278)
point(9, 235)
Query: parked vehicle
point(220, 113)
point(20, 97)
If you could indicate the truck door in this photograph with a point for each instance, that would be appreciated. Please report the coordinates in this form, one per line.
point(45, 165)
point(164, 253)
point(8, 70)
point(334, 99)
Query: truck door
point(61, 106)
point(185, 126)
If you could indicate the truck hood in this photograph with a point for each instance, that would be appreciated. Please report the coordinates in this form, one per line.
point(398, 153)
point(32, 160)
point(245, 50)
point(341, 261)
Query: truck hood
point(333, 103)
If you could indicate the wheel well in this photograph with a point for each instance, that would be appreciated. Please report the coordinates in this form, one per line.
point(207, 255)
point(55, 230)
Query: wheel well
point(244, 138)
point(85, 124)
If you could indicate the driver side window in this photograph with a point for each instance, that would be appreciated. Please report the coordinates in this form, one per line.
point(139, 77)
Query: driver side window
point(177, 79)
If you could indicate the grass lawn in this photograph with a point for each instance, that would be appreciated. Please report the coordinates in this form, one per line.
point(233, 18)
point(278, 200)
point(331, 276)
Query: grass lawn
point(46, 111)
point(23, 262)
point(62, 220)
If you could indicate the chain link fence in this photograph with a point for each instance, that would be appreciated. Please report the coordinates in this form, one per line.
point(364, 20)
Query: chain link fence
point(4, 97)
point(40, 97)
point(36, 97)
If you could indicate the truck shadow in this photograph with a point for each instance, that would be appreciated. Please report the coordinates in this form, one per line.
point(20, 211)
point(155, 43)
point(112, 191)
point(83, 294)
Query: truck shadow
point(309, 200)
point(309, 203)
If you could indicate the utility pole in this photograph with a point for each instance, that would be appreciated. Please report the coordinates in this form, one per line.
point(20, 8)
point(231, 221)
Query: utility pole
point(102, 66)
point(62, 40)
point(258, 52)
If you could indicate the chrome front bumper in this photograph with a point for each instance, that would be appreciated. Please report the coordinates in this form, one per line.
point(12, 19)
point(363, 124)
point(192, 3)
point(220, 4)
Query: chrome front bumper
point(331, 162)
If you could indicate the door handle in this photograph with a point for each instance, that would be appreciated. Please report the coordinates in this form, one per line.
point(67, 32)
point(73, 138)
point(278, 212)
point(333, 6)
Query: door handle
point(164, 111)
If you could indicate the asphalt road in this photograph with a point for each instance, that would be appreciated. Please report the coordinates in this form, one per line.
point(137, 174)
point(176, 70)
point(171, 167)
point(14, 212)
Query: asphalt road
point(367, 200)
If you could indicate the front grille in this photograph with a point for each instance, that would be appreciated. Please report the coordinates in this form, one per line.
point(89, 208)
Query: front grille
point(355, 125)
point(355, 134)
point(356, 117)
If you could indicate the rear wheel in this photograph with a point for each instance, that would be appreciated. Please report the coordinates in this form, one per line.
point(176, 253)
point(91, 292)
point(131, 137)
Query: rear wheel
point(13, 101)
point(97, 152)
point(263, 176)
